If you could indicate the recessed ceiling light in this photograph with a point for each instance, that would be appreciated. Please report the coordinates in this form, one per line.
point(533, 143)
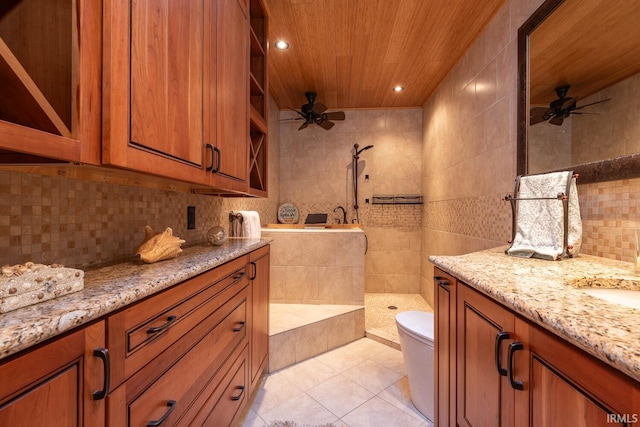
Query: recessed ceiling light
point(282, 45)
point(398, 89)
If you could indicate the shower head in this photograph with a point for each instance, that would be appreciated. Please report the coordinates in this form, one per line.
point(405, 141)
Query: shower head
point(361, 150)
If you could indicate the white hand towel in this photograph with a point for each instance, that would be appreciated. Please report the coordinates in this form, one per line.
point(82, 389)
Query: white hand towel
point(540, 223)
point(250, 224)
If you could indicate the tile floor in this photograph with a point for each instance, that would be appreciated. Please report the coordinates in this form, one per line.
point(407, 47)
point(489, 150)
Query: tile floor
point(380, 321)
point(363, 383)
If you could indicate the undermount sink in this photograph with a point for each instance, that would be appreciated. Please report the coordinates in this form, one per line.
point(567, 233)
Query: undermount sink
point(622, 291)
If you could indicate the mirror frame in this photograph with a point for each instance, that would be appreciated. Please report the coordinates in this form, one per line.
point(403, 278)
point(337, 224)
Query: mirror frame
point(622, 167)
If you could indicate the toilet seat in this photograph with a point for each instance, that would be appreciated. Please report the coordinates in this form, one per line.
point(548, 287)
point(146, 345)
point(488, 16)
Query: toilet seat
point(417, 323)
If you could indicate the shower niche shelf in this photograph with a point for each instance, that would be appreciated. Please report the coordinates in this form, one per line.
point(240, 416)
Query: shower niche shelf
point(399, 199)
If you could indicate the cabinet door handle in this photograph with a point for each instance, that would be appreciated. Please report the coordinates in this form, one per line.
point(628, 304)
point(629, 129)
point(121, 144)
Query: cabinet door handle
point(499, 338)
point(103, 354)
point(254, 270)
point(218, 157)
point(239, 395)
point(240, 275)
point(513, 347)
point(443, 283)
point(158, 329)
point(239, 328)
point(210, 147)
point(171, 404)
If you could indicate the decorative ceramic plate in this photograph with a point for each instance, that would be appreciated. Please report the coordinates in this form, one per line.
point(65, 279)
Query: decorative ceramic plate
point(288, 214)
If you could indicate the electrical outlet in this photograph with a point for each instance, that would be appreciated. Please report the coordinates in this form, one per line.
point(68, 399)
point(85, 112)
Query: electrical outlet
point(191, 217)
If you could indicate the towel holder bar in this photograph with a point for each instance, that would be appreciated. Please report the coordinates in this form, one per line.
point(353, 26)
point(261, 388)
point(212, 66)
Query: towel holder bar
point(560, 196)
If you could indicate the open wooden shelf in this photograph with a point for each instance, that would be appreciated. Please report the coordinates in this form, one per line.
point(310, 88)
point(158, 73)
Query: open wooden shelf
point(258, 98)
point(22, 102)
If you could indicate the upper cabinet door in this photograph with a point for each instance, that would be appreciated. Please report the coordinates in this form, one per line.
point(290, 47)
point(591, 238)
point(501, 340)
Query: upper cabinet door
point(50, 80)
point(154, 71)
point(232, 158)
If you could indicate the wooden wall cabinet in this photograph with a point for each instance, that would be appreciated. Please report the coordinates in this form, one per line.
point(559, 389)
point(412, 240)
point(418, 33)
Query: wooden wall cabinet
point(50, 85)
point(61, 383)
point(154, 79)
point(232, 123)
point(259, 289)
point(511, 372)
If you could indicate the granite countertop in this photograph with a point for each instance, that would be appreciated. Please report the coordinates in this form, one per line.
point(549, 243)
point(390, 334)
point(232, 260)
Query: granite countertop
point(539, 291)
point(110, 288)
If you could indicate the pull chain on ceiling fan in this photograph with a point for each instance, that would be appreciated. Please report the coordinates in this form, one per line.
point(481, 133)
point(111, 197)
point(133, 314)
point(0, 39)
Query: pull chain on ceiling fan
point(315, 113)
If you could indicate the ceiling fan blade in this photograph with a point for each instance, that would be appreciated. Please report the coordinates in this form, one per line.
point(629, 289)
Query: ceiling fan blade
point(537, 115)
point(325, 124)
point(293, 119)
point(319, 108)
point(296, 111)
point(557, 120)
point(593, 103)
point(304, 125)
point(334, 115)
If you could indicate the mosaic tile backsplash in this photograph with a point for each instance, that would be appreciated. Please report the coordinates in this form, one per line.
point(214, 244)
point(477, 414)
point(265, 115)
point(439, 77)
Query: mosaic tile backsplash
point(85, 223)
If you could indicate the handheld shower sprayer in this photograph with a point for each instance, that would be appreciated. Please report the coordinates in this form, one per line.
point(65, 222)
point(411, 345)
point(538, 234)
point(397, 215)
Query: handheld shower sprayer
point(356, 156)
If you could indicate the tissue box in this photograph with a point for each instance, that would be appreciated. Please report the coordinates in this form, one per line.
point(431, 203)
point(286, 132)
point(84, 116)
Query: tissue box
point(26, 284)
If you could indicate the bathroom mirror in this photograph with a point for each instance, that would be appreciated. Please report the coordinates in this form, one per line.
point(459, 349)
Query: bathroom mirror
point(593, 126)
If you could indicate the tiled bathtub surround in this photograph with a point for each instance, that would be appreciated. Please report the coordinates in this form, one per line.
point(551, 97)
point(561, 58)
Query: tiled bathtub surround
point(317, 266)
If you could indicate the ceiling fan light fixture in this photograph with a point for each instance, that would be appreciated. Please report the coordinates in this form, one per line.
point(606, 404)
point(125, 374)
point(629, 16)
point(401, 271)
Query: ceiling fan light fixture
point(282, 45)
point(398, 88)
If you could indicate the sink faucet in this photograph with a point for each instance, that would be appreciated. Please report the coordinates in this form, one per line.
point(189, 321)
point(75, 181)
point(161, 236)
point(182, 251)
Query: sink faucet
point(344, 214)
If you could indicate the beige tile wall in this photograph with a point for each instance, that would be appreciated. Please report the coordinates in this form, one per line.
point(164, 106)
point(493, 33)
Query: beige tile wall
point(469, 161)
point(316, 176)
point(469, 145)
point(84, 223)
point(614, 129)
point(317, 267)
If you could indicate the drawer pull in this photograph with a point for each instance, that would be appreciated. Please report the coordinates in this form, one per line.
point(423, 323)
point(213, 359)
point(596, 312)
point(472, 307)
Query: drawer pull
point(171, 404)
point(239, 328)
point(103, 354)
point(239, 275)
point(239, 395)
point(157, 329)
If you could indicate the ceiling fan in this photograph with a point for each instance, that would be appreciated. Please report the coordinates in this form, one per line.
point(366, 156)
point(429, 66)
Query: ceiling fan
point(315, 113)
point(559, 109)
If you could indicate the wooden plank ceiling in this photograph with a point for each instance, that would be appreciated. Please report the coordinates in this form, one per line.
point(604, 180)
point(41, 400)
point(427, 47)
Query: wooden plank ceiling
point(589, 44)
point(353, 52)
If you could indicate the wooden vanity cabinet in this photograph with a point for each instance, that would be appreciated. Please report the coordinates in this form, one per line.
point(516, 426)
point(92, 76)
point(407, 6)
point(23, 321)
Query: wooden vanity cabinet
point(50, 86)
point(484, 395)
point(445, 289)
point(512, 372)
point(259, 289)
point(173, 351)
point(564, 386)
point(61, 383)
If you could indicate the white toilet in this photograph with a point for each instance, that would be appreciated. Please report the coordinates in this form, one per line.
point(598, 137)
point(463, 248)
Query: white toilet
point(416, 339)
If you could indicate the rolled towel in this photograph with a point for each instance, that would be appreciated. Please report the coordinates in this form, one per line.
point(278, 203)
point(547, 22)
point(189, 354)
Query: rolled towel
point(250, 224)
